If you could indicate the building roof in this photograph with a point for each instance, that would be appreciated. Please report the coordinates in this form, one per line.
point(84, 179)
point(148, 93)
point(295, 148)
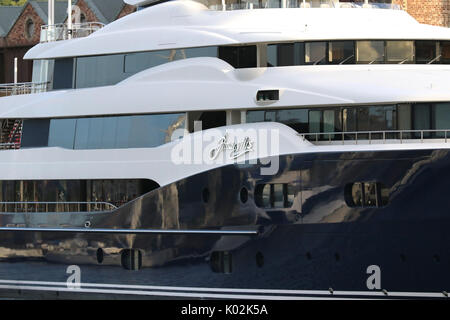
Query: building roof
point(106, 11)
point(41, 7)
point(8, 16)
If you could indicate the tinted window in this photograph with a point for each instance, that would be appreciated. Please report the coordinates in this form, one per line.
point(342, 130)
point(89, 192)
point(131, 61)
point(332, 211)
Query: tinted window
point(239, 56)
point(143, 131)
point(369, 51)
point(445, 51)
point(63, 74)
point(35, 133)
point(315, 52)
point(341, 52)
point(426, 51)
point(70, 195)
point(61, 133)
point(285, 54)
point(400, 51)
point(100, 71)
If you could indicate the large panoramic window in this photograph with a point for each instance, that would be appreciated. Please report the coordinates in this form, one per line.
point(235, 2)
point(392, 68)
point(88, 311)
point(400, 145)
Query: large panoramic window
point(70, 195)
point(325, 123)
point(108, 70)
point(138, 131)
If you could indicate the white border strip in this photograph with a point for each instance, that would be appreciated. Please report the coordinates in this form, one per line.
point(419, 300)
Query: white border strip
point(205, 292)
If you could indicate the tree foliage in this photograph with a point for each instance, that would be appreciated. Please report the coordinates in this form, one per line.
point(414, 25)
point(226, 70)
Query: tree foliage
point(12, 2)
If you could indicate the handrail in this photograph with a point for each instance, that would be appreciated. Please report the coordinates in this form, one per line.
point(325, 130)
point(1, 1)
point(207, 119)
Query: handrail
point(10, 145)
point(37, 206)
point(11, 89)
point(370, 136)
point(61, 31)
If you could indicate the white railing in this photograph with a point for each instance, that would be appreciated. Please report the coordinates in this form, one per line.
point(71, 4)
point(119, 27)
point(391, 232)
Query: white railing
point(266, 4)
point(11, 89)
point(378, 137)
point(58, 32)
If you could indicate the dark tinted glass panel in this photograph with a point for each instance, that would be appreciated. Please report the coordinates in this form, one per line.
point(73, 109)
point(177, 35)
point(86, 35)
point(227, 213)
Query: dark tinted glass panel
point(316, 53)
point(442, 118)
point(426, 51)
point(422, 116)
point(294, 118)
point(70, 195)
point(400, 51)
point(285, 55)
point(144, 131)
point(370, 52)
point(35, 133)
point(445, 52)
point(239, 57)
point(341, 52)
point(100, 71)
point(136, 62)
point(247, 57)
point(62, 133)
point(63, 74)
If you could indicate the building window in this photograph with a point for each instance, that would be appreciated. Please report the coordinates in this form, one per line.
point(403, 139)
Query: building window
point(366, 195)
point(274, 196)
point(29, 28)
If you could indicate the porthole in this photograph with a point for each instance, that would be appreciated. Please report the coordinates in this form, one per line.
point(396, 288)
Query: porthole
point(259, 259)
point(221, 262)
point(274, 195)
point(243, 194)
point(100, 255)
point(366, 194)
point(205, 195)
point(131, 259)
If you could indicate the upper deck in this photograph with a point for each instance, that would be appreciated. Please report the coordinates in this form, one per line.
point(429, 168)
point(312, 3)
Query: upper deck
point(189, 24)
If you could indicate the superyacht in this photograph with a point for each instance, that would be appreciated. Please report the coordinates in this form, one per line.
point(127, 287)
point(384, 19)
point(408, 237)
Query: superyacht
point(260, 149)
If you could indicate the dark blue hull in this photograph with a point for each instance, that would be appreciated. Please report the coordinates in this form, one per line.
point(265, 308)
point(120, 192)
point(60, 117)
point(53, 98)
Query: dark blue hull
point(320, 243)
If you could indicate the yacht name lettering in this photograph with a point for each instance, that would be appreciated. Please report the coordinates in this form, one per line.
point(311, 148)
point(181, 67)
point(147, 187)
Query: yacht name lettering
point(237, 149)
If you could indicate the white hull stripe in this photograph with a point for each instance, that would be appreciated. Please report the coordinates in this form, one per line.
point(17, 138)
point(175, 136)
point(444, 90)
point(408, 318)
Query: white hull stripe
point(199, 292)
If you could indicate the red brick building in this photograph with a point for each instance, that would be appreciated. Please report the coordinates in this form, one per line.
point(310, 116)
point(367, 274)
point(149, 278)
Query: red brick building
point(21, 26)
point(435, 12)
